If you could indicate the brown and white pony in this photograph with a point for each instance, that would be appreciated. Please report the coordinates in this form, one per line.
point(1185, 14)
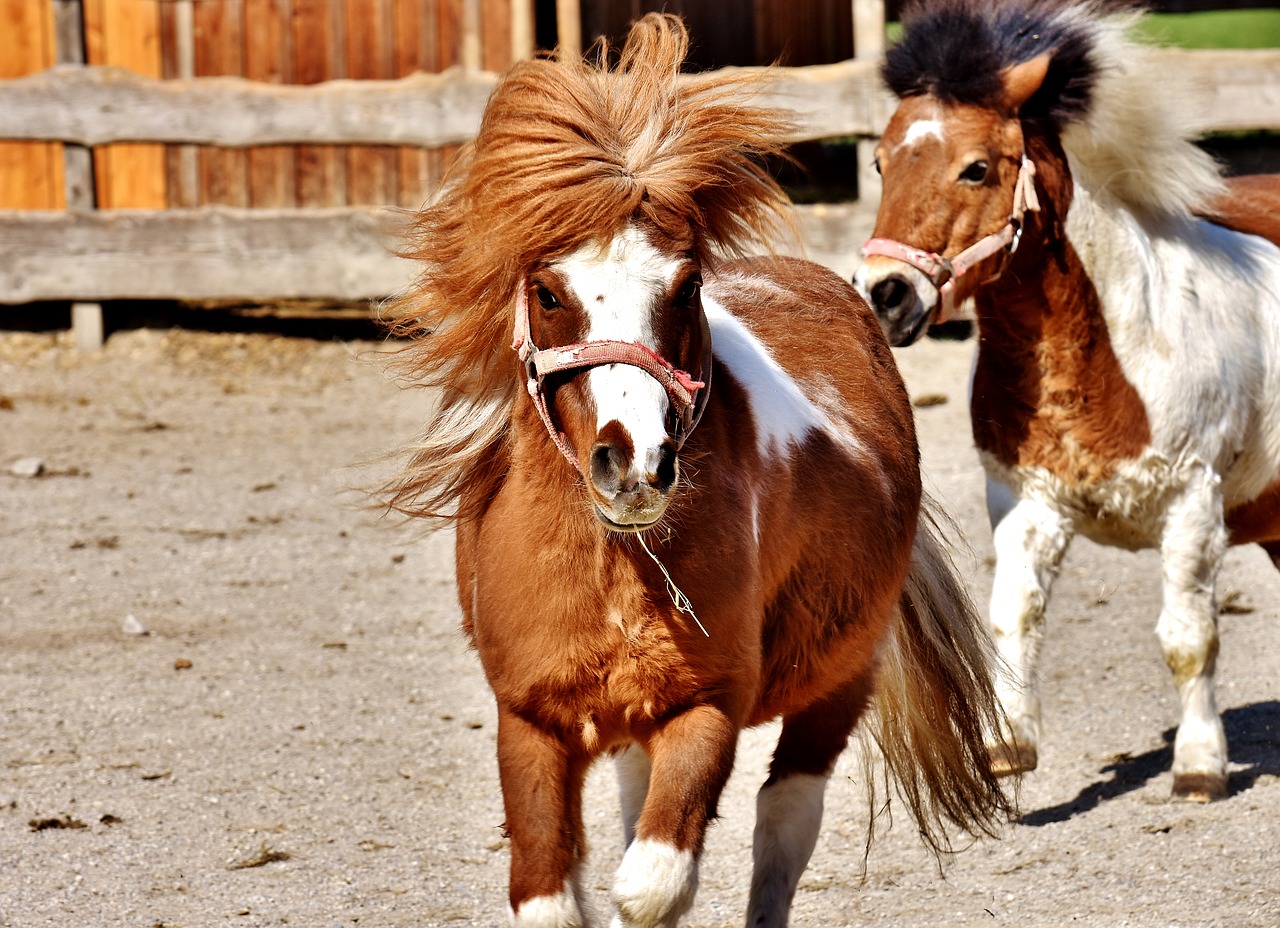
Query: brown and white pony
point(688, 501)
point(1127, 380)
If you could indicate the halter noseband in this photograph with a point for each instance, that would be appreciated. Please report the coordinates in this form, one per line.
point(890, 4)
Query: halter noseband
point(688, 396)
point(943, 272)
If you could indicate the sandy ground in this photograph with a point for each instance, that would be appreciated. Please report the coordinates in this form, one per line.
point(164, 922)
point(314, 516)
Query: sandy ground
point(232, 696)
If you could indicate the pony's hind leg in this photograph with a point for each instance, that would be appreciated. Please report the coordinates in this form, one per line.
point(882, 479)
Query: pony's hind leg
point(542, 794)
point(1030, 541)
point(1192, 549)
point(789, 805)
point(691, 756)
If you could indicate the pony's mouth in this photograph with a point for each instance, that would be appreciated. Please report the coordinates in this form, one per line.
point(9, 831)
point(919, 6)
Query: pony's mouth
point(636, 522)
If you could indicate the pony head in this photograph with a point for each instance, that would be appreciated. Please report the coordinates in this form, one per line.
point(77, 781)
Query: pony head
point(583, 214)
point(980, 86)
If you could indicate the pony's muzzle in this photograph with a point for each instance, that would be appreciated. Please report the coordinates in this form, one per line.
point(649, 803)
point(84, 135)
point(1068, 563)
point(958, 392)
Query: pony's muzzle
point(903, 299)
point(630, 497)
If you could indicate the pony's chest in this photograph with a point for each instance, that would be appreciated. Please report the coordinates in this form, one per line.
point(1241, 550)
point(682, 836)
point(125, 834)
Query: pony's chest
point(597, 668)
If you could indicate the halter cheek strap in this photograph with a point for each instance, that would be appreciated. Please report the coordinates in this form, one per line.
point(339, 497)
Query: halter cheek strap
point(943, 272)
point(688, 396)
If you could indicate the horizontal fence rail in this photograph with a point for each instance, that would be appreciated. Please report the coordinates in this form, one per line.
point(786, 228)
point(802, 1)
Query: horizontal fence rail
point(345, 253)
point(219, 253)
point(99, 105)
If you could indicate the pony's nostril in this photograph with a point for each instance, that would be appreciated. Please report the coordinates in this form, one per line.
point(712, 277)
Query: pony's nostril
point(608, 465)
point(893, 294)
point(665, 474)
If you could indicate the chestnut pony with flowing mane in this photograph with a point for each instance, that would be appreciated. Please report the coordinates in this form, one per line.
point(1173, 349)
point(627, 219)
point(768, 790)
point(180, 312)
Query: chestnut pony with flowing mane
point(685, 487)
point(1127, 382)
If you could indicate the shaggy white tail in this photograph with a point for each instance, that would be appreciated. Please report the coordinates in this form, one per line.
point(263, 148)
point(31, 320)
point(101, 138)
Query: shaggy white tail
point(935, 701)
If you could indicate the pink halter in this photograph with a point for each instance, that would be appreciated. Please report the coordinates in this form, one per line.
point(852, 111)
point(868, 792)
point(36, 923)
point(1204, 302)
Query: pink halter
point(688, 396)
point(943, 272)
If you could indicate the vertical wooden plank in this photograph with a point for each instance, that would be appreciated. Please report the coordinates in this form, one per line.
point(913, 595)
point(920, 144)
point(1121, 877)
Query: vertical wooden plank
point(471, 43)
point(177, 56)
point(371, 170)
point(569, 26)
point(31, 174)
point(320, 169)
point(268, 57)
point(126, 34)
point(495, 34)
point(219, 45)
point(523, 29)
point(416, 50)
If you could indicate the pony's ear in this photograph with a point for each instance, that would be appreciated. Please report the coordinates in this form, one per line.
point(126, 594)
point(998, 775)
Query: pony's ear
point(1022, 80)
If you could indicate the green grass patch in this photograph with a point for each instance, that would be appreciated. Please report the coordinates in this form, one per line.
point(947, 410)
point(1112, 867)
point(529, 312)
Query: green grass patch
point(1211, 29)
point(1214, 29)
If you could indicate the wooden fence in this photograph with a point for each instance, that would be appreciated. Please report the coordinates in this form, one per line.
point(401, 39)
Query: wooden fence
point(268, 243)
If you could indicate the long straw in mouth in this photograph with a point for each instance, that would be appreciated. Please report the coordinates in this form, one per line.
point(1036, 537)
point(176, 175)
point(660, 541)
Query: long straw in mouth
point(678, 598)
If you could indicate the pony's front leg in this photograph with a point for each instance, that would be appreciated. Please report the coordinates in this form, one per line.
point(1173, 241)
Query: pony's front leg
point(1192, 550)
point(1029, 542)
point(542, 794)
point(691, 757)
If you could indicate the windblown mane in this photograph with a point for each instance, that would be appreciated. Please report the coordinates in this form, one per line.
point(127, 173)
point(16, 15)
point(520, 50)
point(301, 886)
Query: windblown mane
point(569, 151)
point(1122, 117)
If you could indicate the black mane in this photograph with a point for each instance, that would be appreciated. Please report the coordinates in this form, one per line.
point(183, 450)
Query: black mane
point(955, 50)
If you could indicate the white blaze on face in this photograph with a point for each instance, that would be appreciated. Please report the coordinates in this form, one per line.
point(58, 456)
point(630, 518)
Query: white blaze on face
point(922, 129)
point(619, 286)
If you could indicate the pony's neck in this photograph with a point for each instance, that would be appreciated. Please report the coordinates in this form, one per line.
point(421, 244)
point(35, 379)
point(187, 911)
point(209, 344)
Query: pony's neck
point(1048, 389)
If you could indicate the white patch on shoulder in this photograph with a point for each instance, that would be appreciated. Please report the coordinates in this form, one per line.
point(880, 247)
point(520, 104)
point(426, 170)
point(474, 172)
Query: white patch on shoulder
point(922, 129)
point(559, 911)
point(788, 818)
point(783, 414)
point(618, 285)
point(655, 884)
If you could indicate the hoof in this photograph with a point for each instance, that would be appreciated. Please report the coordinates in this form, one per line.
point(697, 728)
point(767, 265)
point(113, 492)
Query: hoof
point(1012, 757)
point(1199, 787)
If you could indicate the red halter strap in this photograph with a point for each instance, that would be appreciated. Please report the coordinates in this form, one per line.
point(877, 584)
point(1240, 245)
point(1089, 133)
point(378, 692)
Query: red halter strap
point(943, 272)
point(688, 396)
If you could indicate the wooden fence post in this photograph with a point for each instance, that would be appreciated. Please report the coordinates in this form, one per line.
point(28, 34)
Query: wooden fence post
point(569, 26)
point(868, 45)
point(87, 324)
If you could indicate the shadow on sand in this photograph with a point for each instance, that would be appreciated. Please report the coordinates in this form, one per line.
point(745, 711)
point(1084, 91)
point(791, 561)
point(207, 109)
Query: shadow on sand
point(1253, 738)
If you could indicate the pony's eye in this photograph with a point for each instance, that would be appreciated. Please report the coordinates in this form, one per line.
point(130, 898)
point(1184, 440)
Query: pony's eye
point(975, 173)
point(876, 164)
point(546, 299)
point(688, 290)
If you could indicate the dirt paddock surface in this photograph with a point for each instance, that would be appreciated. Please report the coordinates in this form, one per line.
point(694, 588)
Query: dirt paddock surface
point(232, 696)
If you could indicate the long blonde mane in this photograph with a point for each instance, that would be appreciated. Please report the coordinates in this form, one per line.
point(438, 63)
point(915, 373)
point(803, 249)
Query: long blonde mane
point(570, 150)
point(1136, 145)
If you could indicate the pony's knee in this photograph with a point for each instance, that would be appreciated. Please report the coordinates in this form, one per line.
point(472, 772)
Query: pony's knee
point(655, 885)
point(1189, 640)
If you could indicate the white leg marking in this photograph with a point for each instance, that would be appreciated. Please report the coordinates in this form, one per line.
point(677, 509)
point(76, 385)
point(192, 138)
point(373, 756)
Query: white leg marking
point(633, 769)
point(1192, 550)
point(559, 911)
point(1030, 542)
point(788, 817)
point(654, 886)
